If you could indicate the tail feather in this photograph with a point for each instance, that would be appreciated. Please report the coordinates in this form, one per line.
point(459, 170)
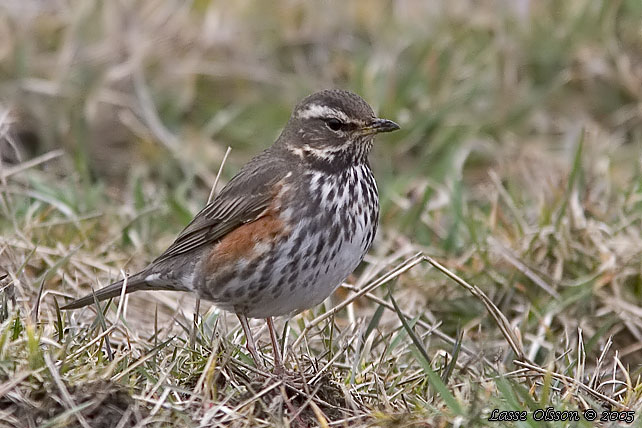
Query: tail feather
point(134, 283)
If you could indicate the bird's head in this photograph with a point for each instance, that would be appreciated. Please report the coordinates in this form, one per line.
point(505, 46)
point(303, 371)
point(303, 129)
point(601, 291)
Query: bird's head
point(333, 129)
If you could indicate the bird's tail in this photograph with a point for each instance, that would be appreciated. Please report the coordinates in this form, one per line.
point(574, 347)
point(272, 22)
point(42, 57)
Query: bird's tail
point(134, 283)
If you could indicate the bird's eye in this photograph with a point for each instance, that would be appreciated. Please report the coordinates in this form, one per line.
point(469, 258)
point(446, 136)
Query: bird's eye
point(334, 124)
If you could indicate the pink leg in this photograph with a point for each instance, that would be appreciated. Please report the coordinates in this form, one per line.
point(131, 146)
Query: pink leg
point(249, 340)
point(278, 361)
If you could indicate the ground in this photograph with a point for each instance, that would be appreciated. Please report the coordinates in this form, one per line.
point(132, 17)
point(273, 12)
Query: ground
point(507, 270)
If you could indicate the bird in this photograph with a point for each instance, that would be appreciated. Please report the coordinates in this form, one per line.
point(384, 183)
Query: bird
point(287, 229)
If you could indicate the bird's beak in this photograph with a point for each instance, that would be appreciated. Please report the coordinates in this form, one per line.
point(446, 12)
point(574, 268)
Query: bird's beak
point(379, 125)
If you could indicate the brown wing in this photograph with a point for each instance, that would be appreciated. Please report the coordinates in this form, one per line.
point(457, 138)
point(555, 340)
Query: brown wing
point(242, 200)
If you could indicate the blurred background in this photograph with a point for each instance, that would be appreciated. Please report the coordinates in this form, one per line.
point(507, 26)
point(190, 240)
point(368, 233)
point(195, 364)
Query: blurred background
point(131, 88)
point(518, 157)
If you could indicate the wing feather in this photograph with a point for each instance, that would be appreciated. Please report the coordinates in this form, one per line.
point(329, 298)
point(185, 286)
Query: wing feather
point(244, 199)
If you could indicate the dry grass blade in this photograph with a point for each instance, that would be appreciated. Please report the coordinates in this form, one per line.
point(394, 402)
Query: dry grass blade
point(498, 316)
point(234, 413)
point(149, 112)
point(432, 329)
point(570, 381)
point(581, 358)
point(600, 361)
point(92, 342)
point(67, 399)
point(424, 358)
point(47, 275)
point(100, 315)
point(513, 260)
point(6, 387)
point(31, 163)
point(218, 175)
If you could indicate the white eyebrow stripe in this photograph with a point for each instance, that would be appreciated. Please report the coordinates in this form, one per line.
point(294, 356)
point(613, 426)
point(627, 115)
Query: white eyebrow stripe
point(325, 150)
point(321, 153)
point(317, 111)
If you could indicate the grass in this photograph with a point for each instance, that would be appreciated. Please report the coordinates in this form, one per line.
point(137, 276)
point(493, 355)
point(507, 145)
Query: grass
point(506, 273)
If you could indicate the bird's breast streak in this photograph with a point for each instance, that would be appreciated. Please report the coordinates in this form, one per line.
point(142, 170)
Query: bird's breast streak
point(294, 252)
